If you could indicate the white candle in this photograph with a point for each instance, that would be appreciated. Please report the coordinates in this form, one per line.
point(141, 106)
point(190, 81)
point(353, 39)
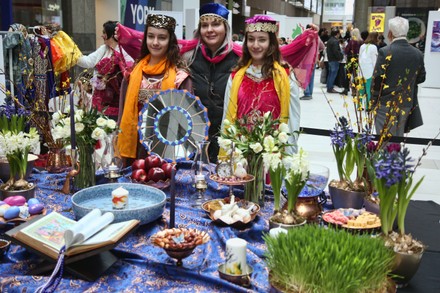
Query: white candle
point(113, 167)
point(119, 198)
point(200, 177)
point(236, 263)
point(274, 232)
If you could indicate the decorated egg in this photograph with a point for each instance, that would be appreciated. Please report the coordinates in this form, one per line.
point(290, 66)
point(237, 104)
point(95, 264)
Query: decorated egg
point(2, 202)
point(33, 201)
point(11, 213)
point(36, 209)
point(24, 212)
point(17, 200)
point(3, 209)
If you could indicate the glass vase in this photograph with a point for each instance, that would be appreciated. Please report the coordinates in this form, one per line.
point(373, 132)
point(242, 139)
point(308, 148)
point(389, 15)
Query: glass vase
point(254, 190)
point(86, 176)
point(200, 170)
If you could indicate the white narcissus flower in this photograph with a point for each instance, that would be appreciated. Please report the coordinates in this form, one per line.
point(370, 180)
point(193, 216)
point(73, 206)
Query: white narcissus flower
point(283, 128)
point(283, 137)
point(65, 121)
point(56, 117)
point(79, 127)
point(79, 114)
point(111, 124)
point(224, 143)
point(256, 147)
point(266, 115)
point(269, 144)
point(98, 133)
point(226, 122)
point(101, 122)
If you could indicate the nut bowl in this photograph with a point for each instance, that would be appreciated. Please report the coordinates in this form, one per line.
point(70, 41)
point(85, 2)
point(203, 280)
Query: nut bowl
point(179, 243)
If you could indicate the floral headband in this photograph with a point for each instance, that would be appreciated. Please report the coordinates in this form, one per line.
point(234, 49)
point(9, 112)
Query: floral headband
point(261, 23)
point(161, 21)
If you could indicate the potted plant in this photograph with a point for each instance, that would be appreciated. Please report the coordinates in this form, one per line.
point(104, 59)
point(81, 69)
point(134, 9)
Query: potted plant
point(17, 139)
point(392, 173)
point(294, 170)
point(327, 260)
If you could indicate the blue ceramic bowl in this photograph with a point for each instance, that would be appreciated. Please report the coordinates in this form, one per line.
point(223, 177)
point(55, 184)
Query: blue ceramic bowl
point(145, 203)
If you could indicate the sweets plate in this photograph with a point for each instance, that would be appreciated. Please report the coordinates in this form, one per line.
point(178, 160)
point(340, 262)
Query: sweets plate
point(353, 220)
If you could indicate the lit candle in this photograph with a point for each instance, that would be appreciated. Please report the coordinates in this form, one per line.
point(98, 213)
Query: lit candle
point(236, 263)
point(72, 123)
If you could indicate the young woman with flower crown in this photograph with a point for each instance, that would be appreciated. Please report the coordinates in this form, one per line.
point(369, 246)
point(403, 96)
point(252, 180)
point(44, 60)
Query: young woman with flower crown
point(261, 82)
point(159, 67)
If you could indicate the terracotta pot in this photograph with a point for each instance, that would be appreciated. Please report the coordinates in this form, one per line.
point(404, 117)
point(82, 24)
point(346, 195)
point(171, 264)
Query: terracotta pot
point(345, 198)
point(405, 266)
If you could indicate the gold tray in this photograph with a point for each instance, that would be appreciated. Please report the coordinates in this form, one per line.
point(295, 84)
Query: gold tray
point(247, 179)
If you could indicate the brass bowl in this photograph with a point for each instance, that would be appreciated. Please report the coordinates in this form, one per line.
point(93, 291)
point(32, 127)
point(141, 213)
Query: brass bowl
point(241, 280)
point(4, 246)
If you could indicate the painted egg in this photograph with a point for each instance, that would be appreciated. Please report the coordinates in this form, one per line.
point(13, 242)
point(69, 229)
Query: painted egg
point(3, 209)
point(11, 213)
point(36, 209)
point(2, 202)
point(24, 212)
point(33, 201)
point(17, 200)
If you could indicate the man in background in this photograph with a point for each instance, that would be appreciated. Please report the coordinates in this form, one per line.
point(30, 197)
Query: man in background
point(399, 69)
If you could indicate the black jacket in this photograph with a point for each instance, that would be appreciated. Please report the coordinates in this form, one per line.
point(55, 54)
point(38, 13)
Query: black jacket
point(334, 52)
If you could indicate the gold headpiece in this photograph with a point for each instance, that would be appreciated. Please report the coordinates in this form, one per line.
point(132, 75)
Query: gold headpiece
point(161, 21)
point(211, 17)
point(262, 27)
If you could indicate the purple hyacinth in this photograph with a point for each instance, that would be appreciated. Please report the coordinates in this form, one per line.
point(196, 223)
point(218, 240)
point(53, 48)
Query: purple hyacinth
point(393, 166)
point(337, 137)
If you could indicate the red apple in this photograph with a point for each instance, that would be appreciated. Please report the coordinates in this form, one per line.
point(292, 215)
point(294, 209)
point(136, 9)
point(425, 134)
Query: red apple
point(152, 161)
point(167, 168)
point(139, 175)
point(138, 164)
point(156, 174)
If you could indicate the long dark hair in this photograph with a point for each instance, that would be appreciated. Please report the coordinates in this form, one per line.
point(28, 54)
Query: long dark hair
point(273, 54)
point(173, 55)
point(109, 28)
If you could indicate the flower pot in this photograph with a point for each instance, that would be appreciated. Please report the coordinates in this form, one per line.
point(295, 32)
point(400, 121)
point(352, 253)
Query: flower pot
point(342, 198)
point(4, 167)
point(370, 206)
point(29, 193)
point(405, 267)
point(273, 224)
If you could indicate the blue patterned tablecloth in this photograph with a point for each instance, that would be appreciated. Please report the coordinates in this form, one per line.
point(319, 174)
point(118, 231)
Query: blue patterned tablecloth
point(152, 269)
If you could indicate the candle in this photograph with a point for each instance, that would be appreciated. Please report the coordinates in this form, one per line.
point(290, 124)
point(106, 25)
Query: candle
point(119, 198)
point(236, 263)
point(173, 199)
point(72, 123)
point(274, 232)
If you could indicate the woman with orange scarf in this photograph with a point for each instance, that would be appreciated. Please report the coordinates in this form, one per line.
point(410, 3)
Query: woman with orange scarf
point(159, 67)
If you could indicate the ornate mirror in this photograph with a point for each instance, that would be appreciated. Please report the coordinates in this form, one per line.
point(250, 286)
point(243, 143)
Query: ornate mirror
point(171, 123)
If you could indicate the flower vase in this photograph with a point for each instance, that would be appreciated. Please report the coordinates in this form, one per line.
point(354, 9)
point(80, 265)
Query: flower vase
point(86, 176)
point(254, 190)
point(57, 161)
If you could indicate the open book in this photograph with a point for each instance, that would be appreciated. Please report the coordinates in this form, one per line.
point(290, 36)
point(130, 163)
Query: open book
point(49, 233)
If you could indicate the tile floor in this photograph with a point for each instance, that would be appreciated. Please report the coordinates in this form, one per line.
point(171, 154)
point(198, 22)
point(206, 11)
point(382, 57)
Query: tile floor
point(316, 113)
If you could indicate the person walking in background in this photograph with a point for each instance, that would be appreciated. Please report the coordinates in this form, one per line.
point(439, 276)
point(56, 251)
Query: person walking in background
point(261, 82)
point(352, 53)
point(308, 92)
point(109, 61)
point(367, 61)
point(381, 43)
point(334, 56)
point(159, 67)
point(399, 68)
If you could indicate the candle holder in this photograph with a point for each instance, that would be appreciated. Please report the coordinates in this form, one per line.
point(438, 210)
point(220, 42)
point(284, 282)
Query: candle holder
point(111, 163)
point(241, 280)
point(201, 170)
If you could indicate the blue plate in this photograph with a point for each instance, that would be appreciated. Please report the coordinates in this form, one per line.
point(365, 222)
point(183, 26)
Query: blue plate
point(145, 203)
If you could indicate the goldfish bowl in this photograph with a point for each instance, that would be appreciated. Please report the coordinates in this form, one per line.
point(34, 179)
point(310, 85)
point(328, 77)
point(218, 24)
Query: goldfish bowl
point(145, 203)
